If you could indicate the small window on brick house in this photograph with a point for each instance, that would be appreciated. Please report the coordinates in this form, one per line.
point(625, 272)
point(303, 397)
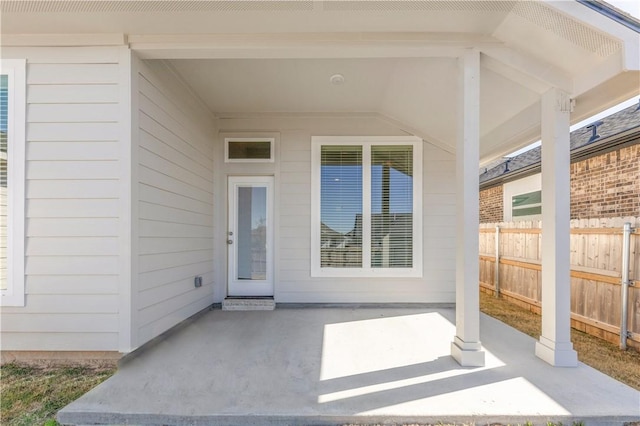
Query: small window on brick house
point(526, 206)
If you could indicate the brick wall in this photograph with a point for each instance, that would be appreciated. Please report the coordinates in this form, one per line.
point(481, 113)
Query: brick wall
point(491, 205)
point(607, 185)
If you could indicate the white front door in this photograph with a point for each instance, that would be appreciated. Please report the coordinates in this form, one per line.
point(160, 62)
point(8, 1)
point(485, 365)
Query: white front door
point(250, 236)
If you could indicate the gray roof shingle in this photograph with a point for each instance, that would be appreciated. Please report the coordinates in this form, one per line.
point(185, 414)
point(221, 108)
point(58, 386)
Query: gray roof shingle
point(612, 125)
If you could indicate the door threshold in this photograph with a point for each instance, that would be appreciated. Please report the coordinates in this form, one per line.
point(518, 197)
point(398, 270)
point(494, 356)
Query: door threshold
point(245, 303)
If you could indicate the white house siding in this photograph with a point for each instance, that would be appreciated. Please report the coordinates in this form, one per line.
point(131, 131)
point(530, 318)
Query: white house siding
point(73, 200)
point(292, 170)
point(175, 203)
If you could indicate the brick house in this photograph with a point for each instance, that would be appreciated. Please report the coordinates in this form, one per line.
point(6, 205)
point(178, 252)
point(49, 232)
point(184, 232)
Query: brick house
point(605, 174)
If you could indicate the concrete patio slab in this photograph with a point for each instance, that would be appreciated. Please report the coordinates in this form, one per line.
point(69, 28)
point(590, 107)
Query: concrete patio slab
point(326, 366)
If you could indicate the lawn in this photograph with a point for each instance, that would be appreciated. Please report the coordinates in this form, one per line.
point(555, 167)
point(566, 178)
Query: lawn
point(623, 366)
point(32, 396)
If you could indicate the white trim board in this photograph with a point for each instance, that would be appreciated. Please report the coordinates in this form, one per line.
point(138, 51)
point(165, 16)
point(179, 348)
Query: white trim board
point(14, 294)
point(366, 271)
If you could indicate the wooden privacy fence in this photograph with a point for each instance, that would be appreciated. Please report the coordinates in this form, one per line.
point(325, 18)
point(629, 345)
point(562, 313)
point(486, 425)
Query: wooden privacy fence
point(596, 272)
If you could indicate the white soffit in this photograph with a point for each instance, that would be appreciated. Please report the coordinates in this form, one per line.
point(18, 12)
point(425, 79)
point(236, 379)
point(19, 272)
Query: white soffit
point(541, 32)
point(554, 22)
point(241, 16)
point(29, 6)
point(406, 52)
point(37, 6)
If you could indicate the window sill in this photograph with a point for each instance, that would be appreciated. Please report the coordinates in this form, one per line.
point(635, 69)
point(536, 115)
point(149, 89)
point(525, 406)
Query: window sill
point(365, 273)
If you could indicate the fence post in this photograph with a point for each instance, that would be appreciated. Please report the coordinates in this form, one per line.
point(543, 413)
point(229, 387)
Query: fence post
point(626, 253)
point(496, 271)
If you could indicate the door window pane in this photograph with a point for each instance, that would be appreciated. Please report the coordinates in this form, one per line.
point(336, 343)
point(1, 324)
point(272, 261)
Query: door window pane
point(252, 233)
point(341, 207)
point(391, 206)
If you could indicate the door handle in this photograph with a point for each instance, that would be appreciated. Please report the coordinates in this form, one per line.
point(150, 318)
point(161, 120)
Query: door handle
point(229, 241)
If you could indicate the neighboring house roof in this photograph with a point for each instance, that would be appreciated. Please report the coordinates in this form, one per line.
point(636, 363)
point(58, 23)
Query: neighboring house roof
point(610, 131)
point(614, 13)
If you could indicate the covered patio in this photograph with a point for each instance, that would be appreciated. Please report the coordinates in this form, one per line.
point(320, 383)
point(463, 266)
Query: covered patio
point(463, 81)
point(357, 364)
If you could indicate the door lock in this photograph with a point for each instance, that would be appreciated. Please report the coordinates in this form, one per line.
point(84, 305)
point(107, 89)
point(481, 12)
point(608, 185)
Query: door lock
point(229, 241)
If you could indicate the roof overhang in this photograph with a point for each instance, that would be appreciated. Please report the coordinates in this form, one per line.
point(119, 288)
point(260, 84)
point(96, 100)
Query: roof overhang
point(402, 54)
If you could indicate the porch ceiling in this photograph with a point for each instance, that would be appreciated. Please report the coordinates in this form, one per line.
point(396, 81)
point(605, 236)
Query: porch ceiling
point(398, 57)
point(418, 92)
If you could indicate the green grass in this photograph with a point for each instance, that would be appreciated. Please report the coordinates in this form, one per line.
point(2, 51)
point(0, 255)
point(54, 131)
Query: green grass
point(32, 396)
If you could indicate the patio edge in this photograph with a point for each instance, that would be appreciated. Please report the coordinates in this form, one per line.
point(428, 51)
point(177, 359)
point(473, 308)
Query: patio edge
point(88, 418)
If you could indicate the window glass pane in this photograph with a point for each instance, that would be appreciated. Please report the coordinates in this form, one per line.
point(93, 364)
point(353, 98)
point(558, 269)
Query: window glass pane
point(527, 211)
point(4, 116)
point(252, 233)
point(249, 150)
point(527, 199)
point(391, 206)
point(526, 204)
point(341, 207)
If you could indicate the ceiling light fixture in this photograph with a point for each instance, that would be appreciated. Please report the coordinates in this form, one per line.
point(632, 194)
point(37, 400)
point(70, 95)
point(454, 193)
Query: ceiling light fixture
point(337, 79)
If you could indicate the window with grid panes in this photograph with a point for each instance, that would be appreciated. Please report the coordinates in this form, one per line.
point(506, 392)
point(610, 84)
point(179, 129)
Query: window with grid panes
point(366, 207)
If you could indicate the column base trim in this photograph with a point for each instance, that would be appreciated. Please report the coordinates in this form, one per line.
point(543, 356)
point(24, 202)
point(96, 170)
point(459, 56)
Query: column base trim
point(467, 357)
point(557, 357)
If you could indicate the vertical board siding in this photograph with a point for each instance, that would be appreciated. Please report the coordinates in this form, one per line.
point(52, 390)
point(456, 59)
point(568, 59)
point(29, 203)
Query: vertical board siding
point(175, 203)
point(72, 172)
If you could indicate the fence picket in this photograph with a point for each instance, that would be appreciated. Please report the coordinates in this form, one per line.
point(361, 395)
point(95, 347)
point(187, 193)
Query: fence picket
point(596, 262)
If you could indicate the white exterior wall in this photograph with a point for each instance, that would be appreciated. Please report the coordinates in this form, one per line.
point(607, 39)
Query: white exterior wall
point(73, 178)
point(174, 232)
point(292, 171)
point(110, 264)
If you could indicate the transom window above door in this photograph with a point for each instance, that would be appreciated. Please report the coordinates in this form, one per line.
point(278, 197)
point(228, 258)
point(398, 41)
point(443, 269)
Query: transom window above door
point(366, 206)
point(249, 150)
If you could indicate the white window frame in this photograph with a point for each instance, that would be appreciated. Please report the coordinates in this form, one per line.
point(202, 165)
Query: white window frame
point(14, 295)
point(517, 187)
point(366, 270)
point(271, 158)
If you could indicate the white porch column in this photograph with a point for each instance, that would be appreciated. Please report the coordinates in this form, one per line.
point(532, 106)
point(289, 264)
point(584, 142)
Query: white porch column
point(466, 348)
point(555, 345)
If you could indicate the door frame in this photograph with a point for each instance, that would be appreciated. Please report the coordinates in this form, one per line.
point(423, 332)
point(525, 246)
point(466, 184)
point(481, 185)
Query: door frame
point(248, 288)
